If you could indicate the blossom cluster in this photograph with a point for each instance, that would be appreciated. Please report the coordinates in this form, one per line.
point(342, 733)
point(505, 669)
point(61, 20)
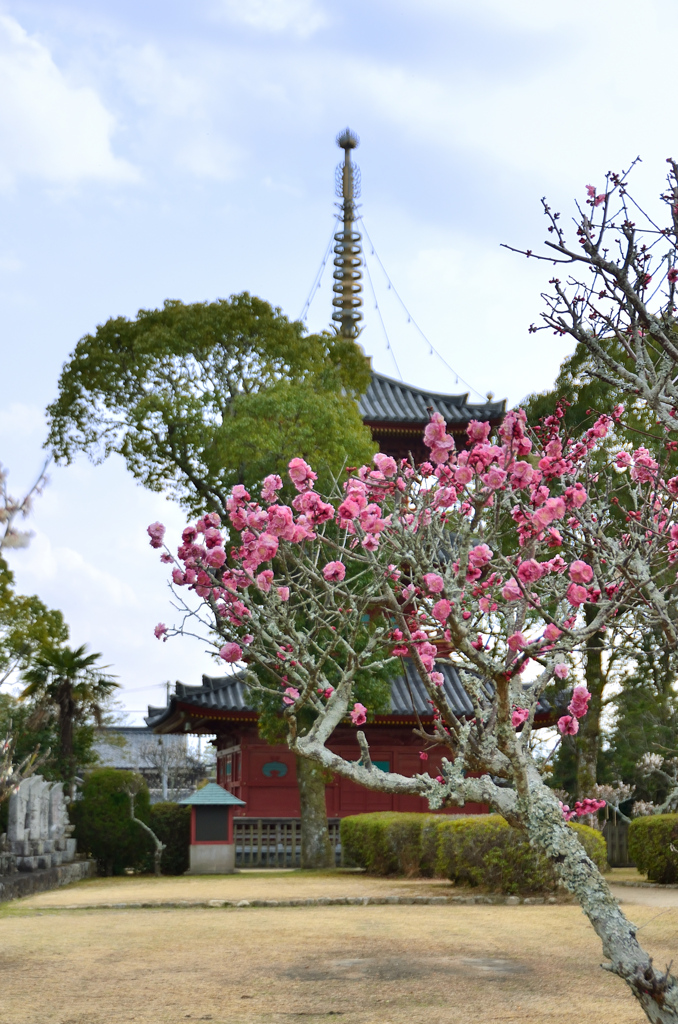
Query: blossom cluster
point(487, 554)
point(582, 807)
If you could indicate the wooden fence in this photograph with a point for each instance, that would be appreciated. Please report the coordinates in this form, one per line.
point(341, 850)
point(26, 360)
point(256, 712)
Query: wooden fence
point(617, 839)
point(274, 842)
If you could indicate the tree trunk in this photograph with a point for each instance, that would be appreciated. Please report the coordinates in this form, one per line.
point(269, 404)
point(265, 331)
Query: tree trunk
point(66, 716)
point(588, 740)
point(656, 992)
point(316, 849)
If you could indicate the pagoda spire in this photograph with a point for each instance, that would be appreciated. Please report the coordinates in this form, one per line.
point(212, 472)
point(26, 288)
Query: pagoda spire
point(347, 286)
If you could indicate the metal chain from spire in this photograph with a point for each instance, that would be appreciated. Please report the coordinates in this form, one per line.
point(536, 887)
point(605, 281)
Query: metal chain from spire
point(347, 286)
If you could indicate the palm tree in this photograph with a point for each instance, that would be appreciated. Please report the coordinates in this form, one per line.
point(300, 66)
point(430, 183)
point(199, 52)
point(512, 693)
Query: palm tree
point(71, 682)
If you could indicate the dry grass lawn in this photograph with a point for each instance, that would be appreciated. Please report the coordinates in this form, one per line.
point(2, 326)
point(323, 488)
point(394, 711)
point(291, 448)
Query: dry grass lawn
point(244, 885)
point(363, 965)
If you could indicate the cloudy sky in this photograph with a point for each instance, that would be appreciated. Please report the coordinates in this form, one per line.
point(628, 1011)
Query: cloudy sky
point(164, 149)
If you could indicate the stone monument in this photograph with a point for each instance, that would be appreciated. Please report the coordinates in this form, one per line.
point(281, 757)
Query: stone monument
point(38, 830)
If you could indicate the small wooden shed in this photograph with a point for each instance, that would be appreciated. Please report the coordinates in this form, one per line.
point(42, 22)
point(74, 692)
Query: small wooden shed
point(212, 850)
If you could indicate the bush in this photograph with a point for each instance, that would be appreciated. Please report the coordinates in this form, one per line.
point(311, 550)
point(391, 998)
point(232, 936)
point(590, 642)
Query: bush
point(103, 826)
point(384, 843)
point(172, 825)
point(650, 842)
point(483, 850)
point(477, 850)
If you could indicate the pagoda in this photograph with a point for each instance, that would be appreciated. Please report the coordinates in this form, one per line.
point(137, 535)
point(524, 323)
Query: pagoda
point(395, 412)
point(264, 776)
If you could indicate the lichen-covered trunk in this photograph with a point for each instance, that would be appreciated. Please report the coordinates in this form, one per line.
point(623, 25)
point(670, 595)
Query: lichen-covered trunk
point(656, 991)
point(588, 740)
point(316, 849)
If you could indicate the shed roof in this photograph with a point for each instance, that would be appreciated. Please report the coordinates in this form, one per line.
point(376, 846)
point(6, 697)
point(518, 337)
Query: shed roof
point(391, 401)
point(211, 795)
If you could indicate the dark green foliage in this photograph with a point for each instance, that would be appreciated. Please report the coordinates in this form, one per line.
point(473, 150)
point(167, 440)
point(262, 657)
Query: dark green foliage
point(70, 683)
point(385, 843)
point(650, 841)
point(26, 625)
point(476, 850)
point(103, 825)
point(37, 726)
point(172, 825)
point(197, 398)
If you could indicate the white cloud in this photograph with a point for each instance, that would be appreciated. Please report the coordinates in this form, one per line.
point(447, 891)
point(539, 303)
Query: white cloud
point(50, 128)
point(298, 17)
point(24, 419)
point(180, 116)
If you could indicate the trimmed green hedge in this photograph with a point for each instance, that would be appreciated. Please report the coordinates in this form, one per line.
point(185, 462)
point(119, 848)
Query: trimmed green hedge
point(483, 850)
point(103, 826)
point(172, 825)
point(385, 842)
point(650, 842)
point(476, 850)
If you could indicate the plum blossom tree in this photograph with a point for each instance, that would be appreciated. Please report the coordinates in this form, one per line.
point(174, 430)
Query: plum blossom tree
point(505, 558)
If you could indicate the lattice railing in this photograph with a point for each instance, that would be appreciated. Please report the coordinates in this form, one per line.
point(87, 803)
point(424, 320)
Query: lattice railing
point(274, 842)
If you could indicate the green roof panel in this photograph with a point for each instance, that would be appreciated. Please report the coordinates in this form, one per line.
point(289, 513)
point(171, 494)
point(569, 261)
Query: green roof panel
point(211, 795)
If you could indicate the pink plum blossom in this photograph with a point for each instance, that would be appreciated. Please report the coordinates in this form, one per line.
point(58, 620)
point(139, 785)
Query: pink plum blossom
point(521, 474)
point(301, 474)
point(580, 572)
point(568, 726)
point(579, 704)
point(291, 694)
point(359, 714)
point(231, 652)
point(517, 641)
point(156, 531)
point(576, 595)
point(216, 557)
point(511, 591)
point(519, 716)
point(264, 580)
point(334, 572)
point(385, 464)
point(494, 477)
point(530, 571)
point(463, 475)
point(284, 593)
point(266, 547)
point(480, 555)
point(434, 582)
point(441, 610)
point(551, 633)
point(437, 678)
point(478, 431)
point(272, 483)
point(159, 630)
point(561, 670)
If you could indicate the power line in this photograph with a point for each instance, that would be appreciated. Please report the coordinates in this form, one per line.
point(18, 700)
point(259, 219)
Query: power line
point(410, 318)
point(381, 319)
point(318, 277)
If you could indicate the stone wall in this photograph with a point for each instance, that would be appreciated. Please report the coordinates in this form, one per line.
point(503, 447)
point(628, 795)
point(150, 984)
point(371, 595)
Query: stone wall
point(27, 883)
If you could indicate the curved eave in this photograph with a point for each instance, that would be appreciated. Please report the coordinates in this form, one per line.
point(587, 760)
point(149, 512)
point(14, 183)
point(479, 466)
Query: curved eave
point(178, 715)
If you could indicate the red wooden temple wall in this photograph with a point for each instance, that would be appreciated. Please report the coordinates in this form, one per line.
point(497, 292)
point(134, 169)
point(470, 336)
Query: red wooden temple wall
point(264, 776)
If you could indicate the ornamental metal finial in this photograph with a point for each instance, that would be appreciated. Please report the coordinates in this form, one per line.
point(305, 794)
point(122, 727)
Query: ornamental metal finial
point(347, 248)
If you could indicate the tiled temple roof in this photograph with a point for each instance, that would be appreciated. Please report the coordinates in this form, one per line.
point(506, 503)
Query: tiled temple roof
point(408, 695)
point(391, 401)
